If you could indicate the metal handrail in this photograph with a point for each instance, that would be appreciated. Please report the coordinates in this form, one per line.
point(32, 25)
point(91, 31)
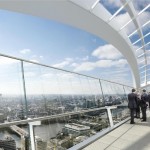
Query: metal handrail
point(40, 64)
point(49, 117)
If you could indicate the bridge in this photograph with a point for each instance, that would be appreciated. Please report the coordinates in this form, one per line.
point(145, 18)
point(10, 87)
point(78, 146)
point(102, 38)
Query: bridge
point(19, 131)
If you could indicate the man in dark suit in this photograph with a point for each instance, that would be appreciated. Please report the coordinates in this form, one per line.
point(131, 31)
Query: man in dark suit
point(138, 104)
point(149, 99)
point(132, 98)
point(144, 99)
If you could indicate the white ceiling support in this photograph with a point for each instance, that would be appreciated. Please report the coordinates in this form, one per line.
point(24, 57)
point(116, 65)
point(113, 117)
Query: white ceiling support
point(93, 6)
point(77, 14)
point(131, 10)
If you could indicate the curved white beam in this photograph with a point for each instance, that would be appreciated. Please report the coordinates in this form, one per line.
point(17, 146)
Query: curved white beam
point(78, 13)
point(133, 14)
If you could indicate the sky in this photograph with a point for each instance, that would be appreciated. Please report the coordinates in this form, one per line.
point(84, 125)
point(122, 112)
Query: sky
point(62, 46)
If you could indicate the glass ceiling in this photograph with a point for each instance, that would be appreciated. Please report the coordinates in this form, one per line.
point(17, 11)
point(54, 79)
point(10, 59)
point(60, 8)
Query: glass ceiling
point(133, 17)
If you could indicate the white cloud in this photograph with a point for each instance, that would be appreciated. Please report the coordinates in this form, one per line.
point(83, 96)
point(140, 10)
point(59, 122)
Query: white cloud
point(66, 62)
point(7, 61)
point(88, 66)
point(121, 78)
point(122, 19)
point(138, 5)
point(25, 51)
point(74, 64)
point(112, 3)
point(85, 58)
point(41, 57)
point(34, 60)
point(144, 17)
point(48, 75)
point(34, 56)
point(29, 74)
point(65, 75)
point(106, 52)
point(69, 59)
point(61, 65)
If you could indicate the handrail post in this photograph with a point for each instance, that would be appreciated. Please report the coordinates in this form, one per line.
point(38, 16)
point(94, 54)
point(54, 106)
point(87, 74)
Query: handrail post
point(24, 90)
point(110, 115)
point(102, 91)
point(32, 137)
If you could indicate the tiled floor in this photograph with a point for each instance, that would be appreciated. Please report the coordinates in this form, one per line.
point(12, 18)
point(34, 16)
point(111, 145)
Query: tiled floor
point(125, 137)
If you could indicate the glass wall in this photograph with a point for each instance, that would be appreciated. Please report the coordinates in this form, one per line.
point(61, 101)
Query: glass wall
point(30, 90)
point(115, 94)
point(65, 132)
point(12, 103)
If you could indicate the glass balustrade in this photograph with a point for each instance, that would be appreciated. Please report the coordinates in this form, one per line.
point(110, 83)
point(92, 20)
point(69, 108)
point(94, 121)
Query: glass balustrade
point(34, 92)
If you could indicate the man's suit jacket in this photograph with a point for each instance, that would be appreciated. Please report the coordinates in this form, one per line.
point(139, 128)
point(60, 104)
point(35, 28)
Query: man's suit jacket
point(132, 98)
point(144, 99)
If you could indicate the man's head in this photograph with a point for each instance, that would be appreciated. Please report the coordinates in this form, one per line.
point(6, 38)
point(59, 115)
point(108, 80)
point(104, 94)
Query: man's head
point(144, 90)
point(133, 90)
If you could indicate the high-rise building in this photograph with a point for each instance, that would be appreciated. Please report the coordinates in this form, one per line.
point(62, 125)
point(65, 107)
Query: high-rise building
point(40, 144)
point(1, 117)
point(8, 144)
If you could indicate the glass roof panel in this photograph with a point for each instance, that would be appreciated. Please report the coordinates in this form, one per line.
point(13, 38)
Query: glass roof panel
point(129, 28)
point(116, 8)
point(112, 6)
point(142, 80)
point(146, 28)
point(122, 20)
point(147, 47)
point(147, 38)
point(138, 53)
point(148, 71)
point(139, 5)
point(134, 37)
point(143, 18)
point(138, 44)
point(148, 66)
point(148, 57)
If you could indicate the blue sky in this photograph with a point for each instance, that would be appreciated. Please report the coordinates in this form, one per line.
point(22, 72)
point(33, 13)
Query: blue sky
point(52, 43)
point(61, 46)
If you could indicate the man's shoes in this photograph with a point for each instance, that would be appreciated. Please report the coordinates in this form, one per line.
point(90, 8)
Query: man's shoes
point(143, 121)
point(132, 122)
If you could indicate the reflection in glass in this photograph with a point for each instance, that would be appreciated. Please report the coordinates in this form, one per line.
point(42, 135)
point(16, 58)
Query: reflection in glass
point(12, 106)
point(65, 132)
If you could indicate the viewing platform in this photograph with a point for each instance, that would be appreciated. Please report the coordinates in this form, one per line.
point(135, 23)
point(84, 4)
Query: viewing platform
point(126, 137)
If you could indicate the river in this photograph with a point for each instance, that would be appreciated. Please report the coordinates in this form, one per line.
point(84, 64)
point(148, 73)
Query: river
point(43, 131)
